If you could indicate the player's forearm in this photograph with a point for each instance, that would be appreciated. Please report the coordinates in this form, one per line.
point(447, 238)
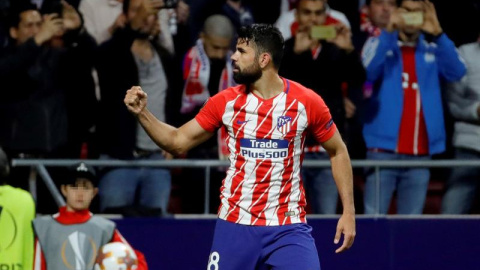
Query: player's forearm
point(163, 134)
point(342, 173)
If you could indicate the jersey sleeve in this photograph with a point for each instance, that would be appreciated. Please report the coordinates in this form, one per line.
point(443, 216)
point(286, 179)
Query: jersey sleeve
point(210, 116)
point(321, 124)
point(142, 262)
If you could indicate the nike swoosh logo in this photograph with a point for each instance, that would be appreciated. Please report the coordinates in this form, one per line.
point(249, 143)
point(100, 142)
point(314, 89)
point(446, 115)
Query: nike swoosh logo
point(242, 122)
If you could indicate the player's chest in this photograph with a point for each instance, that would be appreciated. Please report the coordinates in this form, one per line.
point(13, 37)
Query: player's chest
point(279, 120)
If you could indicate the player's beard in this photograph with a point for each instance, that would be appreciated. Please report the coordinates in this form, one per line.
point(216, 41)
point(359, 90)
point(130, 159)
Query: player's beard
point(248, 75)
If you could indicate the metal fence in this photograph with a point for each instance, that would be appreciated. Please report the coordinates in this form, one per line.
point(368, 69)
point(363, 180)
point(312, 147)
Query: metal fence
point(39, 166)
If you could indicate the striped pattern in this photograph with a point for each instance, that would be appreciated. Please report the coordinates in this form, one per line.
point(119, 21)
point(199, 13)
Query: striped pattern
point(266, 140)
point(412, 138)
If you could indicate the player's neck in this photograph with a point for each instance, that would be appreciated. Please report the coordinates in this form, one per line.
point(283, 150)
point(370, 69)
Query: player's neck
point(268, 86)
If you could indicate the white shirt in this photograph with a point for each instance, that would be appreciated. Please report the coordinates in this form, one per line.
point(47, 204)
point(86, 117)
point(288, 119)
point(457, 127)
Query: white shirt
point(99, 15)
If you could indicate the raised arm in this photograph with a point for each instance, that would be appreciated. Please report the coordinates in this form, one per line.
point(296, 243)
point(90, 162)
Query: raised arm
point(342, 173)
point(174, 140)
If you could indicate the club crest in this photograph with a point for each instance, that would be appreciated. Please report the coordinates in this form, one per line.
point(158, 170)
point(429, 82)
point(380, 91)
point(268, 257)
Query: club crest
point(284, 124)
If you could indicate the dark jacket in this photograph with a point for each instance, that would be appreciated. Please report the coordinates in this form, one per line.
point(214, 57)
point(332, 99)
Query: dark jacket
point(325, 74)
point(118, 72)
point(33, 111)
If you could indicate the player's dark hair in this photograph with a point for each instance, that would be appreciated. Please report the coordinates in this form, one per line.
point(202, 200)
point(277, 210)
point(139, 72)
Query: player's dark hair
point(266, 38)
point(16, 9)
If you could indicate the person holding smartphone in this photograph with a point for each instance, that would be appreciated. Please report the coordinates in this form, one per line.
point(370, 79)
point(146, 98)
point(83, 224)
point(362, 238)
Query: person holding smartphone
point(47, 65)
point(322, 58)
point(404, 114)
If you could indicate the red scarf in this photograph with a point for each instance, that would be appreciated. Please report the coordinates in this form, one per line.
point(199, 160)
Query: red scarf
point(196, 73)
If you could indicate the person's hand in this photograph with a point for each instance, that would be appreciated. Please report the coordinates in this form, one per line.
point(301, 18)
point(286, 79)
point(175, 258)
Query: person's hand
point(135, 100)
point(396, 21)
point(303, 40)
point(118, 24)
point(153, 6)
point(182, 11)
point(350, 108)
point(155, 31)
point(343, 39)
point(71, 18)
point(52, 25)
point(431, 25)
point(346, 225)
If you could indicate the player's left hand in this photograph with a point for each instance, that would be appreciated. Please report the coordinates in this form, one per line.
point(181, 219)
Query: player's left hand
point(346, 225)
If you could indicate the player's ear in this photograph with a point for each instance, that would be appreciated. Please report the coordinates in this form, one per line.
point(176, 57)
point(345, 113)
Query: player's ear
point(264, 60)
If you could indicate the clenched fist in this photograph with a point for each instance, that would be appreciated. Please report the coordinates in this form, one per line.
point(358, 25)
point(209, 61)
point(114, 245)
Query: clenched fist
point(135, 100)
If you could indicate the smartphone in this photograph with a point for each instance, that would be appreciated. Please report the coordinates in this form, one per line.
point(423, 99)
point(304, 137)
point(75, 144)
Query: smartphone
point(170, 3)
point(413, 18)
point(323, 32)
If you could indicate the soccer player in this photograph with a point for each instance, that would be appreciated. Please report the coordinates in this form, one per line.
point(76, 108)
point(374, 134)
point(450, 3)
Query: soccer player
point(261, 221)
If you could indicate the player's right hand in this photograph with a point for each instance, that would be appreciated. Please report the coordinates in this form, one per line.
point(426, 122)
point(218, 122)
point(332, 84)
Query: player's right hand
point(135, 100)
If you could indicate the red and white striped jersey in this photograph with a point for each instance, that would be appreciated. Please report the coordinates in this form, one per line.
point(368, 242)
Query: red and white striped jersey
point(266, 139)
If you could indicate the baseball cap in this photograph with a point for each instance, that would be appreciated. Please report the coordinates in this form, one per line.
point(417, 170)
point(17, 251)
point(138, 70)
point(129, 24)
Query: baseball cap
point(80, 170)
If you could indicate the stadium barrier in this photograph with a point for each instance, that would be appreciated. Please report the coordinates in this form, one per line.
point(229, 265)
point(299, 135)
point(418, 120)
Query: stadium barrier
point(383, 242)
point(40, 166)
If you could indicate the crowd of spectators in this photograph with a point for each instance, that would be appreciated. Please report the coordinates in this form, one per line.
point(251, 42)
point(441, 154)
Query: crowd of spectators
point(397, 88)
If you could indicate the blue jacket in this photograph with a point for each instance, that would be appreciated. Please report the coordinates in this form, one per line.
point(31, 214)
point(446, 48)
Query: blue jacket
point(382, 59)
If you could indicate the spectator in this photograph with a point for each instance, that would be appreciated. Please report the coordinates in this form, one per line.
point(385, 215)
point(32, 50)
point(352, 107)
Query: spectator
point(374, 16)
point(404, 115)
point(74, 231)
point(134, 56)
point(36, 68)
point(206, 71)
point(287, 23)
point(322, 66)
point(17, 211)
point(104, 17)
point(464, 103)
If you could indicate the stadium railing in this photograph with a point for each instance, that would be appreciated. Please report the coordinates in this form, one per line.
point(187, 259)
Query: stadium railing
point(39, 166)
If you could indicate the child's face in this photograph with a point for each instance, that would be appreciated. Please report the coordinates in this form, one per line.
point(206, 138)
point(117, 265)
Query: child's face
point(80, 195)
